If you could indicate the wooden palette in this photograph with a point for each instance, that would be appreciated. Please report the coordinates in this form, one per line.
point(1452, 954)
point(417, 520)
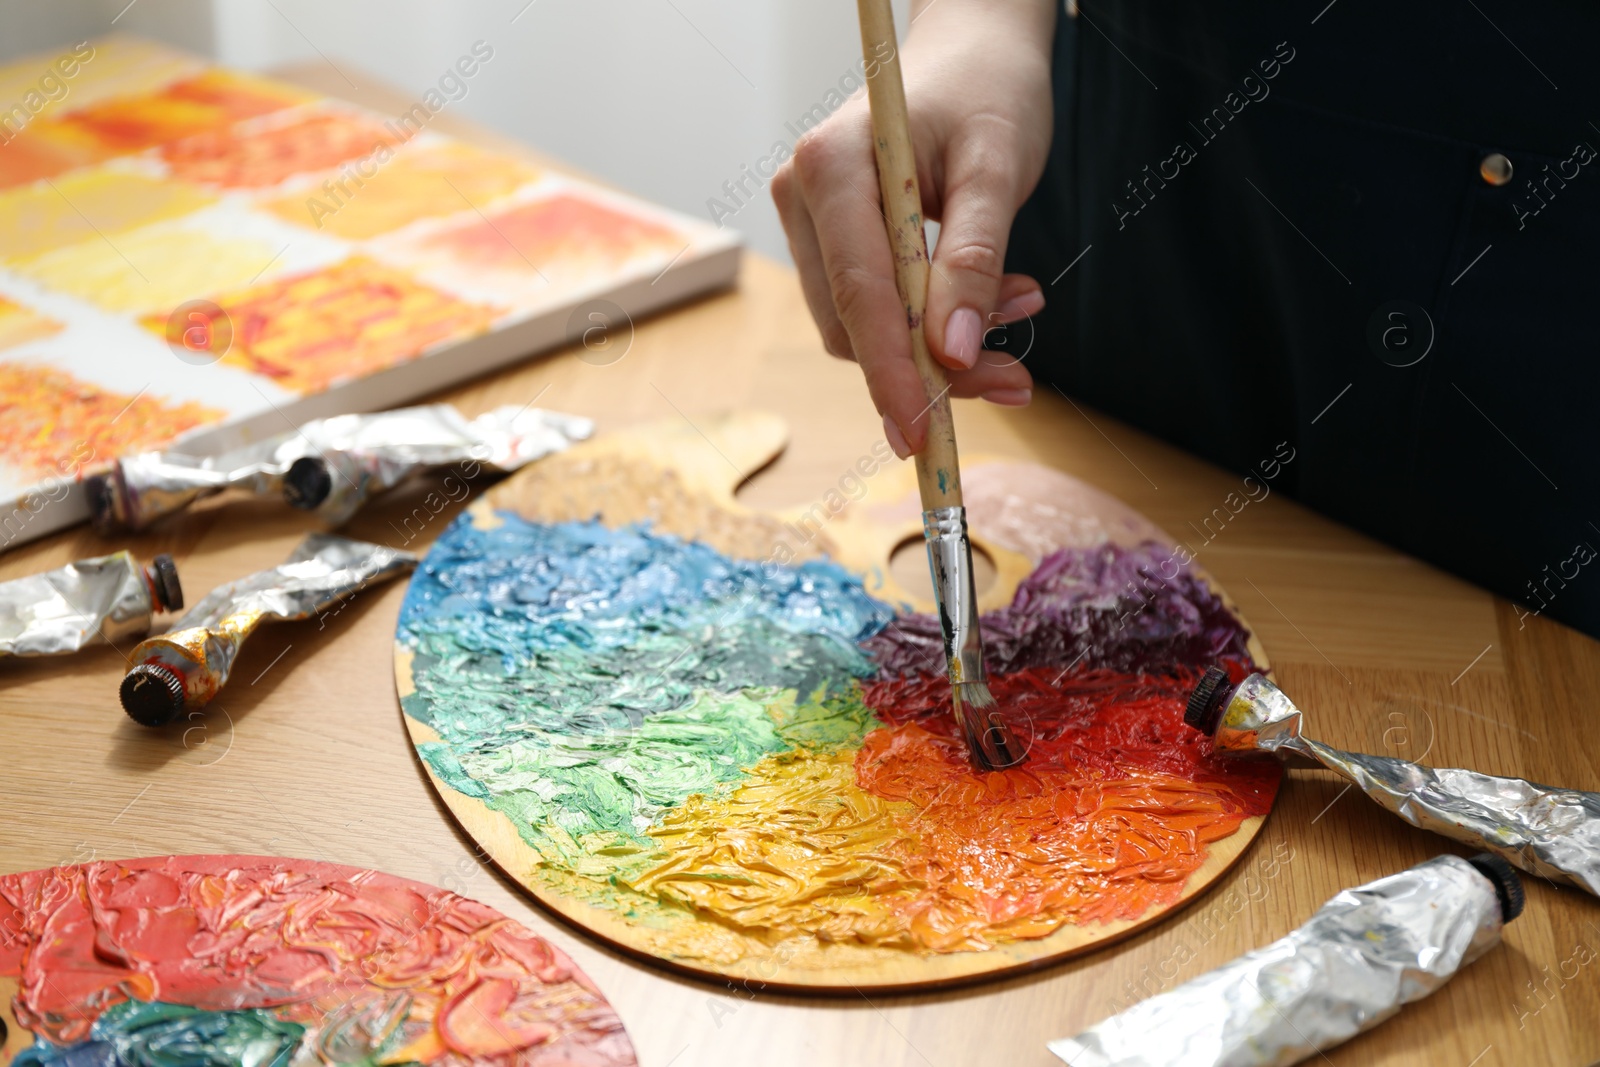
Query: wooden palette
point(262, 960)
point(699, 915)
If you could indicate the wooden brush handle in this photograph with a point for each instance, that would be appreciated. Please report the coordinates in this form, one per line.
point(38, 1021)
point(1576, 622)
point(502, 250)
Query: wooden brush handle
point(938, 468)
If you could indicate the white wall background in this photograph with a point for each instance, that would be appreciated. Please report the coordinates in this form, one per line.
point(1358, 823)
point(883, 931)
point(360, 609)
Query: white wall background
point(665, 98)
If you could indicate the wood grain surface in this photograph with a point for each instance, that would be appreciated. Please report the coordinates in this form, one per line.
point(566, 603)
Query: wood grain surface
point(304, 754)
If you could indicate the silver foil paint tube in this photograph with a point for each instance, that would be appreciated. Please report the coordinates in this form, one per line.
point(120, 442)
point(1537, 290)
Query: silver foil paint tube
point(1545, 830)
point(92, 601)
point(331, 466)
point(187, 666)
point(1362, 956)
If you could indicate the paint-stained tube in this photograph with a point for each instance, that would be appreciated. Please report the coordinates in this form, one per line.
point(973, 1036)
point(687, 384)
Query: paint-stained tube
point(92, 601)
point(185, 668)
point(1545, 830)
point(1365, 954)
point(332, 466)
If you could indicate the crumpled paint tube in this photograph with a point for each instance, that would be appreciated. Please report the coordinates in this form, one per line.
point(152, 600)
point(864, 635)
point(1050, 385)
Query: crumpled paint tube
point(1362, 956)
point(92, 601)
point(1545, 830)
point(331, 466)
point(185, 667)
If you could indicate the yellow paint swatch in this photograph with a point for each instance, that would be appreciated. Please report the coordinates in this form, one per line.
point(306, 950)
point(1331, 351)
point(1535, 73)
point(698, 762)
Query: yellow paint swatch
point(421, 181)
point(96, 204)
point(19, 324)
point(151, 269)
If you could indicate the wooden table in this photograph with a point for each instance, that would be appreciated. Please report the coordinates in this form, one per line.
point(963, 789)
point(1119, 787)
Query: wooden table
point(305, 755)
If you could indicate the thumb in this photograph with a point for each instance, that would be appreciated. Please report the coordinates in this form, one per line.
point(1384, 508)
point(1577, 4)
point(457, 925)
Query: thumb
point(968, 262)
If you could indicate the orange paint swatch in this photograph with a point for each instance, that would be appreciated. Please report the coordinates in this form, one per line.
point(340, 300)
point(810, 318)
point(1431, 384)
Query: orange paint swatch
point(547, 234)
point(52, 422)
point(357, 317)
point(421, 181)
point(43, 151)
point(315, 142)
point(211, 100)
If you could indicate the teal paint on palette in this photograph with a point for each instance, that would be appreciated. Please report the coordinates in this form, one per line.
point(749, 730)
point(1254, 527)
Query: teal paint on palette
point(585, 678)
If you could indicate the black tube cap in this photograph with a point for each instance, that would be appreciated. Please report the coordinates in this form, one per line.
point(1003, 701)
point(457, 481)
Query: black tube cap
point(1507, 884)
point(307, 483)
point(152, 695)
point(102, 492)
point(1209, 697)
point(168, 592)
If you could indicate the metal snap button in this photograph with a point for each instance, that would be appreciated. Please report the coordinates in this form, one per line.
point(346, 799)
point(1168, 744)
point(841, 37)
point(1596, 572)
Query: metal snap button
point(1495, 169)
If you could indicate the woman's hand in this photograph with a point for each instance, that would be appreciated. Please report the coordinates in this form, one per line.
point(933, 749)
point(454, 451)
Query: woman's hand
point(977, 76)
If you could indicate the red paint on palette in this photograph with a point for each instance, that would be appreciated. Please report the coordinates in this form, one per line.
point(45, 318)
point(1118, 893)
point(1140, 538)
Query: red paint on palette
point(1114, 783)
point(311, 955)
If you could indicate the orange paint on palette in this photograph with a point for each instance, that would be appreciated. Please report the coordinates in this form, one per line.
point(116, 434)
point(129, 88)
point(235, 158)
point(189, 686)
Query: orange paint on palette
point(315, 142)
point(51, 421)
point(19, 324)
point(308, 331)
point(544, 234)
point(208, 101)
point(1117, 793)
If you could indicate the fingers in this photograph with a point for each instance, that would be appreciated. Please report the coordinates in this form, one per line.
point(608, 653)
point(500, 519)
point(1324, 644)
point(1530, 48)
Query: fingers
point(807, 253)
point(980, 199)
point(838, 181)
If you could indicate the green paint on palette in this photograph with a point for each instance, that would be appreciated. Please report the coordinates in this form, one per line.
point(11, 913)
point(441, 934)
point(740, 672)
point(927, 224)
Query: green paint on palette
point(575, 797)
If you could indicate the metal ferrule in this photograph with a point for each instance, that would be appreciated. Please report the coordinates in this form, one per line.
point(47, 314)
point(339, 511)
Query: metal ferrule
point(361, 455)
point(1365, 954)
point(954, 591)
point(1545, 830)
point(89, 602)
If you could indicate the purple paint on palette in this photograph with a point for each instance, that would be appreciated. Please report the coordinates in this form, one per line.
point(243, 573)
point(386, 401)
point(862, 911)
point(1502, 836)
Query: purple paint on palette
point(1123, 609)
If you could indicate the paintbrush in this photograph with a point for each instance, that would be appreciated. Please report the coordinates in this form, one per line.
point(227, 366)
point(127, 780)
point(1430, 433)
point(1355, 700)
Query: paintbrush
point(944, 517)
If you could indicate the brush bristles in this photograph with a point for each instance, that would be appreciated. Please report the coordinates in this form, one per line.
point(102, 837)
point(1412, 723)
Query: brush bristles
point(975, 694)
point(991, 743)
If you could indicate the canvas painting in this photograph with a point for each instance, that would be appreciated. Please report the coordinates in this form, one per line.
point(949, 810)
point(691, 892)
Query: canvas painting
point(191, 255)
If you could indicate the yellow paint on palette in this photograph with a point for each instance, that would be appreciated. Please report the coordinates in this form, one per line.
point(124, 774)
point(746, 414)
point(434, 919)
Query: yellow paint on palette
point(97, 204)
point(156, 268)
point(419, 182)
point(20, 324)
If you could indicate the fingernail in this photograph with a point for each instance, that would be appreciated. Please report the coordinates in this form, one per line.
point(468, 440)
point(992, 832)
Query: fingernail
point(1011, 398)
point(1020, 307)
point(963, 336)
point(896, 439)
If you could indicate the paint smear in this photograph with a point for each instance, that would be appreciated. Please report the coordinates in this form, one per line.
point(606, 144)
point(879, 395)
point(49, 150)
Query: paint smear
point(235, 960)
point(96, 205)
point(560, 236)
point(53, 423)
point(211, 100)
point(309, 331)
point(703, 743)
point(421, 181)
point(150, 269)
point(19, 325)
point(316, 141)
point(44, 151)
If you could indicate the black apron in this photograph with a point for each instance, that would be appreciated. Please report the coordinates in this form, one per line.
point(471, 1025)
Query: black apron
point(1291, 231)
